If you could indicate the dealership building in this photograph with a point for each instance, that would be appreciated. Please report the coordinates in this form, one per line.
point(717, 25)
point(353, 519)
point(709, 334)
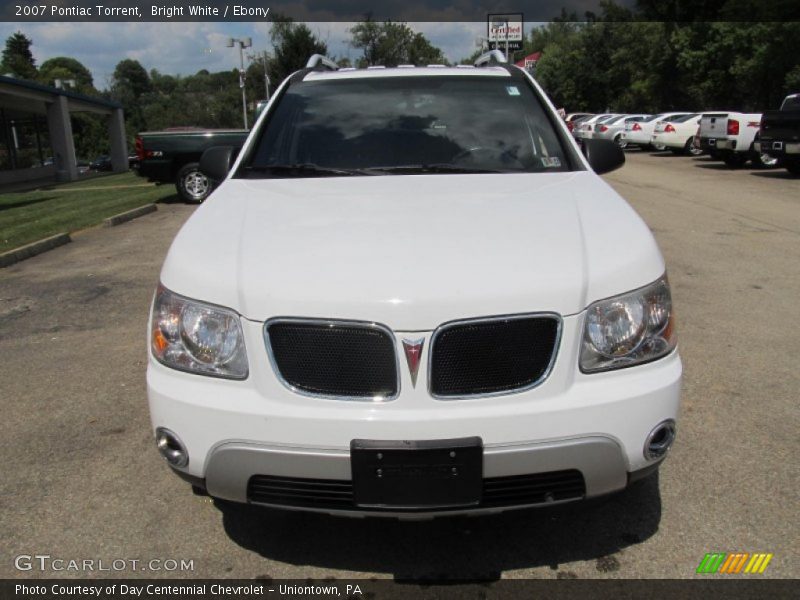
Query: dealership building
point(36, 141)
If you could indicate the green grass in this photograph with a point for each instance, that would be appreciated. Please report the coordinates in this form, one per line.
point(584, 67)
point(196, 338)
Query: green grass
point(29, 216)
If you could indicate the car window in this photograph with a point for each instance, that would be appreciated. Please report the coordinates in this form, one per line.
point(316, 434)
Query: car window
point(615, 119)
point(674, 118)
point(371, 124)
point(791, 103)
point(683, 118)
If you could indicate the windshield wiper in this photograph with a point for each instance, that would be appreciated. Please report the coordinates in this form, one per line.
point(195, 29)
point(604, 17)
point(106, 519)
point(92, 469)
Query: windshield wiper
point(433, 168)
point(304, 169)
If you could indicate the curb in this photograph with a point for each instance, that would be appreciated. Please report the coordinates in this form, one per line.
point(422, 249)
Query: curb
point(14, 256)
point(129, 215)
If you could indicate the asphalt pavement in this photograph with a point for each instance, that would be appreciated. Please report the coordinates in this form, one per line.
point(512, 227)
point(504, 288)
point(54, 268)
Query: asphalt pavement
point(82, 479)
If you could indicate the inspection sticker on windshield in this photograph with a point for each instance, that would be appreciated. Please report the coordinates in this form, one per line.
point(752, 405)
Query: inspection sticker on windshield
point(512, 90)
point(551, 161)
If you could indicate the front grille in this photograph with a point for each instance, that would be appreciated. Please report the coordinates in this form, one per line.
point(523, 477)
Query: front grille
point(334, 358)
point(517, 490)
point(492, 356)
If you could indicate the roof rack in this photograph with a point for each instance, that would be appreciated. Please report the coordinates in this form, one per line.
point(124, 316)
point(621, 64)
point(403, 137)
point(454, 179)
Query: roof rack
point(318, 60)
point(493, 57)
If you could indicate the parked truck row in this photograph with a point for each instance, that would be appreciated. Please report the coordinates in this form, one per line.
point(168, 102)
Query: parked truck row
point(764, 140)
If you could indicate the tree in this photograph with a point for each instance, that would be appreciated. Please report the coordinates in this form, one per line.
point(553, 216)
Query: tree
point(129, 83)
point(130, 77)
point(391, 44)
point(18, 60)
point(64, 67)
point(293, 44)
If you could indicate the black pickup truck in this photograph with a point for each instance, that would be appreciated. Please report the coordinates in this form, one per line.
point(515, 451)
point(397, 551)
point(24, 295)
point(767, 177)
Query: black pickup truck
point(779, 135)
point(173, 156)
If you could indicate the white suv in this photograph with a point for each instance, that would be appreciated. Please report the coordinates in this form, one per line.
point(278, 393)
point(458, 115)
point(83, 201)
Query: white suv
point(412, 295)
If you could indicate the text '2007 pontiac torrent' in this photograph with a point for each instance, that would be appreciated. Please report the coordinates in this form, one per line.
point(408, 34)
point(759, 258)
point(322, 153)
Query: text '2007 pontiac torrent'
point(412, 295)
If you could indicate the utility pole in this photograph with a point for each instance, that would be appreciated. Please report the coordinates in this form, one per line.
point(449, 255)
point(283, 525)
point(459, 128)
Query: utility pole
point(244, 43)
point(506, 40)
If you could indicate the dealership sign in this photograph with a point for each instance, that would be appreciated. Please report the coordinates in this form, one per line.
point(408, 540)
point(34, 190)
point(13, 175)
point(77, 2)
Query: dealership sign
point(506, 27)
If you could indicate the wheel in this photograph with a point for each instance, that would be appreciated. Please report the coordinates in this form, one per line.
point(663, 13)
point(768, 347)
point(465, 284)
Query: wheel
point(659, 147)
point(761, 160)
point(735, 160)
point(691, 149)
point(620, 141)
point(192, 185)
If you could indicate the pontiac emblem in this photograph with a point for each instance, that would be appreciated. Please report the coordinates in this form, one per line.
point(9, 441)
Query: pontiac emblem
point(413, 350)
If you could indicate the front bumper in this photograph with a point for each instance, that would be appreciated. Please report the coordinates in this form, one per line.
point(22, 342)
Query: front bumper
point(596, 424)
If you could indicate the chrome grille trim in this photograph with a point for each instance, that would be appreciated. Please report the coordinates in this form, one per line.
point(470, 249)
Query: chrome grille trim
point(331, 323)
point(450, 324)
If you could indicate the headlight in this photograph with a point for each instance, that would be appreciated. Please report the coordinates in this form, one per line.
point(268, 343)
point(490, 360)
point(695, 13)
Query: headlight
point(200, 338)
point(628, 330)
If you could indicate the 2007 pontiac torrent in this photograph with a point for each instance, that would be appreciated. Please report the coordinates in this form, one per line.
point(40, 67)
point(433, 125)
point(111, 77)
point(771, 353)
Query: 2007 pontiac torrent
point(410, 295)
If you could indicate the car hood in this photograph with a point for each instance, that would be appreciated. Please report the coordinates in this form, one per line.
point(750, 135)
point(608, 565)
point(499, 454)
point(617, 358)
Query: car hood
point(411, 251)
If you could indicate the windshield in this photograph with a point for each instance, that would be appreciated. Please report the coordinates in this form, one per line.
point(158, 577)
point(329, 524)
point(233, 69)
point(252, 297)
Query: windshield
point(402, 125)
point(683, 119)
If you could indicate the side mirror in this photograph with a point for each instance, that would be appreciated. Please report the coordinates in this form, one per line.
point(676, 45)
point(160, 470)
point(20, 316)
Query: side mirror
point(217, 161)
point(603, 155)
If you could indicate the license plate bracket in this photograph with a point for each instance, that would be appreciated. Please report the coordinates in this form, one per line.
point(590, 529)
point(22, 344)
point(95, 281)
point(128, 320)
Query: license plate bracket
point(417, 475)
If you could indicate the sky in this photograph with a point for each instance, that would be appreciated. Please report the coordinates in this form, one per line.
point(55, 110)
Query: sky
point(183, 48)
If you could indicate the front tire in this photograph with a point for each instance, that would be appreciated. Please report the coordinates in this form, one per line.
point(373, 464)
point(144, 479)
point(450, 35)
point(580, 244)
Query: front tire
point(192, 185)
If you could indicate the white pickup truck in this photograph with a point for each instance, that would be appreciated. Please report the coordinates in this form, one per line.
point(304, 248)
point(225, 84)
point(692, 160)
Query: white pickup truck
point(731, 136)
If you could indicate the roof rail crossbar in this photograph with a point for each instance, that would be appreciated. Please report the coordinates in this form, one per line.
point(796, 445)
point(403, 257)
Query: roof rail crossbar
point(318, 60)
point(493, 57)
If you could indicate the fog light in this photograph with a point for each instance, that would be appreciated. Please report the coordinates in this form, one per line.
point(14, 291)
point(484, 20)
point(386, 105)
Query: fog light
point(659, 441)
point(171, 447)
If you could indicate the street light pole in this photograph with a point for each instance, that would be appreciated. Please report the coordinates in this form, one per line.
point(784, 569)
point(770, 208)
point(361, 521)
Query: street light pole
point(506, 40)
point(244, 43)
